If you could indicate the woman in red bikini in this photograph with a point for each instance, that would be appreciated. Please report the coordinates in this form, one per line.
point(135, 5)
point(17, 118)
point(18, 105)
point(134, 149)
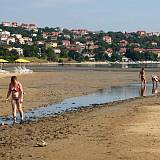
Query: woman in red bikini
point(16, 92)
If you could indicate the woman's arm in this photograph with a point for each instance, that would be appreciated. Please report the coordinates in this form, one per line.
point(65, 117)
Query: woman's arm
point(9, 92)
point(21, 91)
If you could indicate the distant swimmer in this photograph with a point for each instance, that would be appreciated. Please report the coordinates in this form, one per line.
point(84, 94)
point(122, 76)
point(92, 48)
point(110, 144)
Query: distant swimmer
point(142, 77)
point(16, 91)
point(155, 80)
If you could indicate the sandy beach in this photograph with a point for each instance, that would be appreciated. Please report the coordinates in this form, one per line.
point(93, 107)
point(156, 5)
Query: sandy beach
point(120, 130)
point(44, 88)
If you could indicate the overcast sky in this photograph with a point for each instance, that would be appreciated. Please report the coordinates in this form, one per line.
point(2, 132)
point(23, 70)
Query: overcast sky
point(107, 15)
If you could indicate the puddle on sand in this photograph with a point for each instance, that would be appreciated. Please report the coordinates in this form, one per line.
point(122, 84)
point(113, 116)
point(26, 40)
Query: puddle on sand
point(100, 97)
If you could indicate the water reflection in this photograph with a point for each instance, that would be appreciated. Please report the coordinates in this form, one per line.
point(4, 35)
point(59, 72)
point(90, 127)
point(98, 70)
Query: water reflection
point(102, 96)
point(142, 91)
point(155, 90)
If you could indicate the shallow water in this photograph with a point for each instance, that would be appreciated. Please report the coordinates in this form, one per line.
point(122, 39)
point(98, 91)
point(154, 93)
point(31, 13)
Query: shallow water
point(100, 97)
point(81, 67)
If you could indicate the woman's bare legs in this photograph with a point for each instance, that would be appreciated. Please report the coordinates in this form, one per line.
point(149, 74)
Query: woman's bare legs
point(19, 106)
point(14, 108)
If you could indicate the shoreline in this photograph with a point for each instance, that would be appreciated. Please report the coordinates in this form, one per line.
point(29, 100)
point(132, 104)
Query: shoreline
point(43, 88)
point(117, 130)
point(88, 63)
point(85, 127)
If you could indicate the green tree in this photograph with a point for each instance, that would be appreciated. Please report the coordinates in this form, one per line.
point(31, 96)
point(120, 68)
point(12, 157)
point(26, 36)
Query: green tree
point(51, 55)
point(116, 57)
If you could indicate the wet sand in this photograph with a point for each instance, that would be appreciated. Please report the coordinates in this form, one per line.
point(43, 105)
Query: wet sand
point(51, 87)
point(125, 130)
point(121, 130)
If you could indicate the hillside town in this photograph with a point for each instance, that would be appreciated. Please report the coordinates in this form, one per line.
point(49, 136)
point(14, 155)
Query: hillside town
point(61, 44)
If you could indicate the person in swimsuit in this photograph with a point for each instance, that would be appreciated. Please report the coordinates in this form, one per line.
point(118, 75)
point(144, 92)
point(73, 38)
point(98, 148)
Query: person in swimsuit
point(16, 91)
point(142, 77)
point(155, 80)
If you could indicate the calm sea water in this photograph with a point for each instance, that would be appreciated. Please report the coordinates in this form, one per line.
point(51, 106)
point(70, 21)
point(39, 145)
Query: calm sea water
point(59, 67)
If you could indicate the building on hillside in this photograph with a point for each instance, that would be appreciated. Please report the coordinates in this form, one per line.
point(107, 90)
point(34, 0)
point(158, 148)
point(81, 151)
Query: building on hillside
point(45, 35)
point(140, 50)
point(34, 35)
point(123, 43)
point(29, 26)
point(89, 55)
point(19, 50)
point(11, 40)
point(21, 41)
point(142, 33)
point(107, 39)
point(24, 25)
point(79, 32)
point(14, 24)
point(6, 24)
point(51, 45)
point(67, 36)
point(29, 43)
point(135, 44)
point(154, 34)
point(55, 34)
point(122, 51)
point(66, 43)
point(125, 59)
point(154, 50)
point(57, 50)
point(27, 39)
point(154, 44)
point(75, 48)
point(18, 36)
point(5, 33)
point(109, 52)
point(40, 42)
point(32, 26)
point(4, 38)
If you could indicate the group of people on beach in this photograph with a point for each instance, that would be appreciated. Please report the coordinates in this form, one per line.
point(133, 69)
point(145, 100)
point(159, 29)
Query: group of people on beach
point(15, 91)
point(155, 80)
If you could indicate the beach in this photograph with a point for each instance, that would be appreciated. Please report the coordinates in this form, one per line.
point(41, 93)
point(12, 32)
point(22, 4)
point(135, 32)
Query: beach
point(45, 88)
point(120, 130)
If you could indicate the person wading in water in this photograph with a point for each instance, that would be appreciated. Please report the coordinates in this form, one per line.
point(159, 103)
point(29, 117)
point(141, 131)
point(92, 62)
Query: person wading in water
point(16, 91)
point(142, 77)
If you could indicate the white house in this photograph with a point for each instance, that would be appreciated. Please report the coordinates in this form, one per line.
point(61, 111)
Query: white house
point(34, 35)
point(57, 51)
point(18, 36)
point(27, 39)
point(5, 33)
point(3, 38)
point(11, 40)
point(21, 41)
point(19, 50)
point(6, 24)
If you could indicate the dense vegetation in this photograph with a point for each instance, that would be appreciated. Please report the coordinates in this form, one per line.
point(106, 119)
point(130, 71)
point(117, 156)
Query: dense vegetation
point(99, 53)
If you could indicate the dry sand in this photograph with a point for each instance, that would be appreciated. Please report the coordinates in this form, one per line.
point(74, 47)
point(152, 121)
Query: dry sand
point(122, 130)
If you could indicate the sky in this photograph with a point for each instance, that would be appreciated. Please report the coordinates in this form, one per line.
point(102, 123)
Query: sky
point(95, 15)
